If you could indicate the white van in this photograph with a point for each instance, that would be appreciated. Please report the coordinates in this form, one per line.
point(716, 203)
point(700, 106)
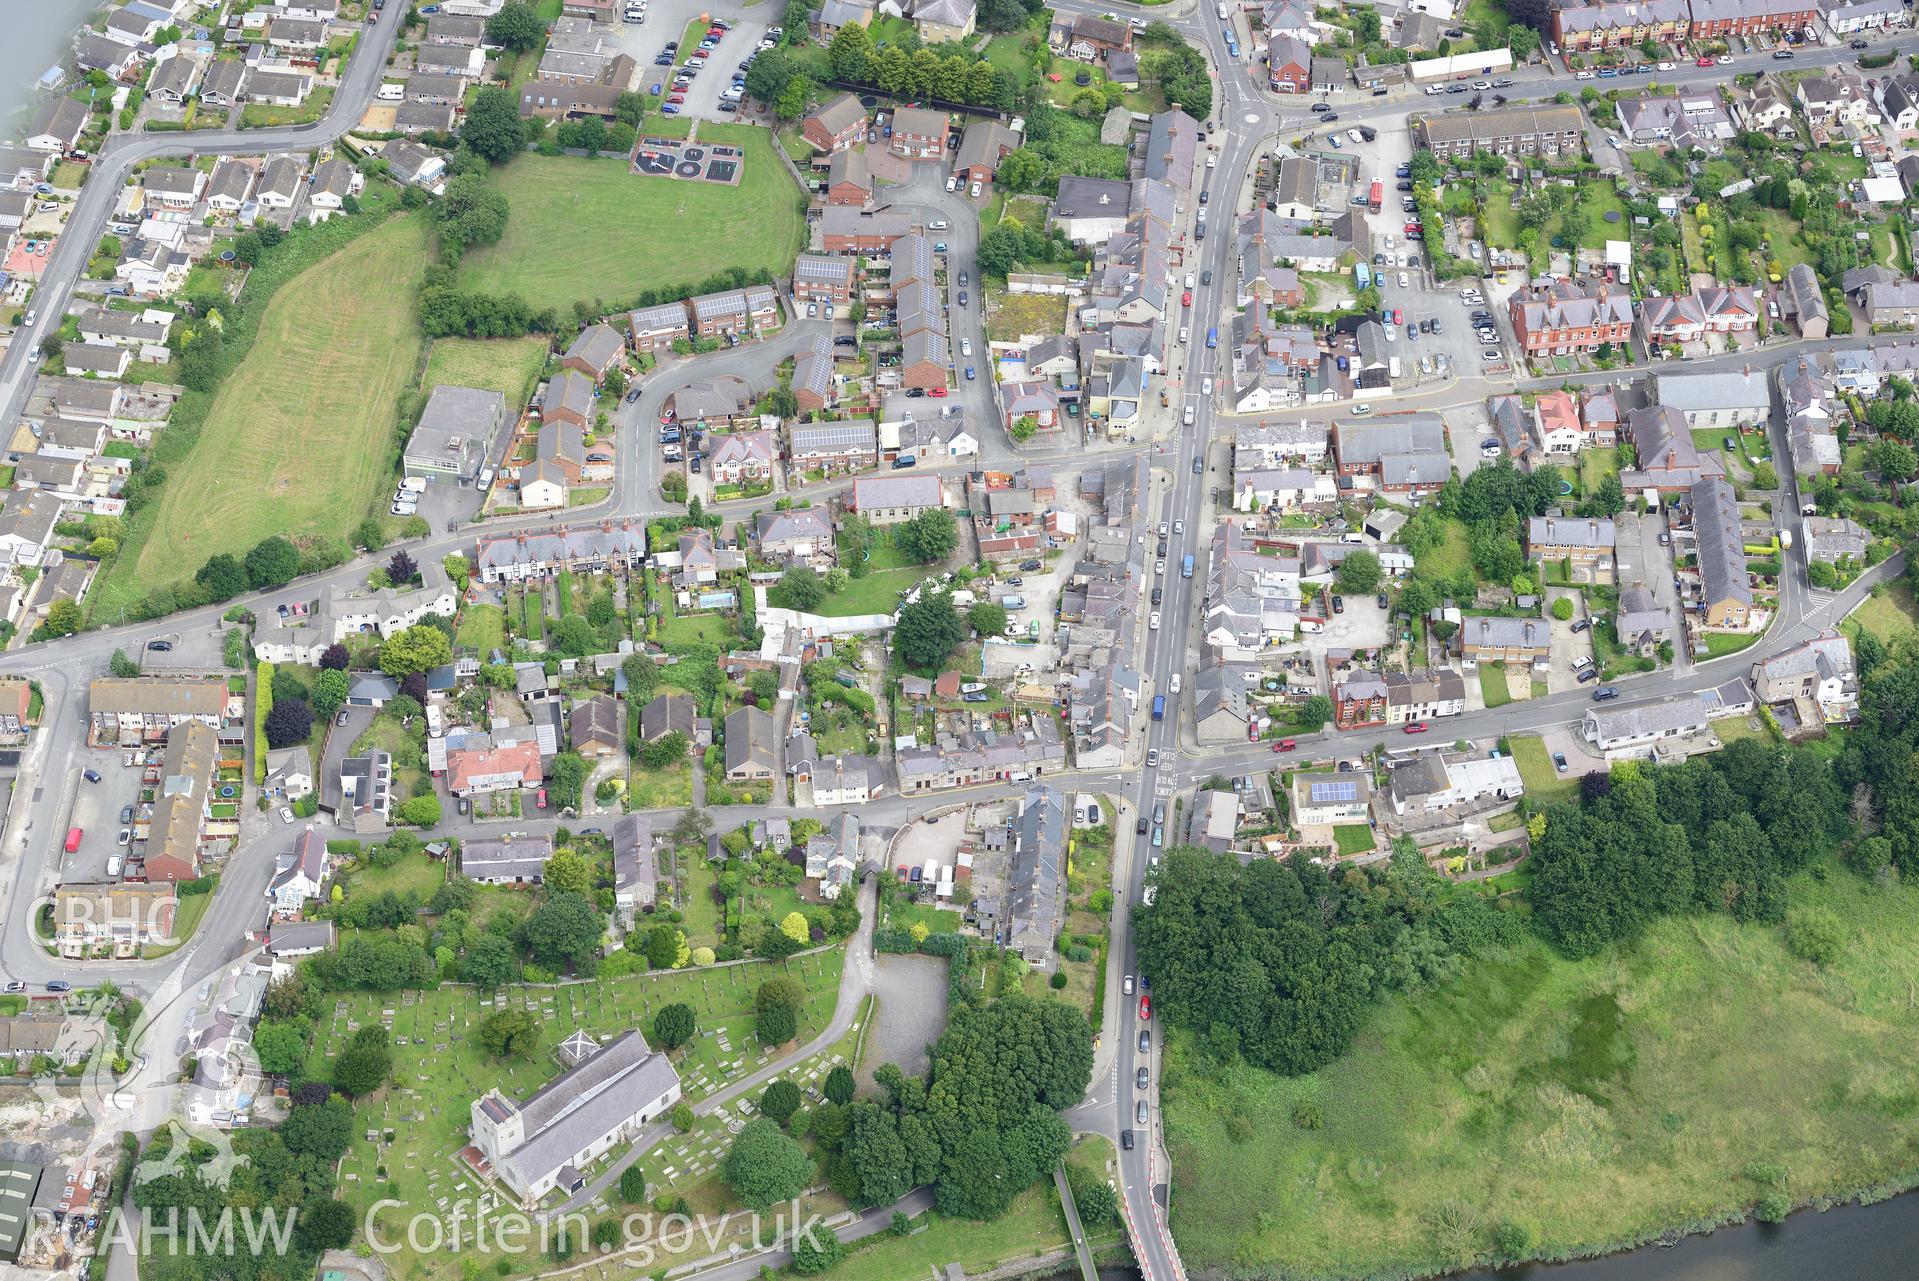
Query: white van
point(391, 92)
point(1224, 13)
point(486, 478)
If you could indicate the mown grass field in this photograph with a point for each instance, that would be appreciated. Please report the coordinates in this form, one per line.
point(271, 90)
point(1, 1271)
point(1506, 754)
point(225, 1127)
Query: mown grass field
point(301, 436)
point(510, 366)
point(1889, 613)
point(591, 229)
point(1591, 1103)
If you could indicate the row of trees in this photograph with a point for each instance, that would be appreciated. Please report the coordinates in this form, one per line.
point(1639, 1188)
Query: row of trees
point(959, 76)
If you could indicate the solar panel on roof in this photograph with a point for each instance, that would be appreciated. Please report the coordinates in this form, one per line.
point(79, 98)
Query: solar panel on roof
point(1333, 791)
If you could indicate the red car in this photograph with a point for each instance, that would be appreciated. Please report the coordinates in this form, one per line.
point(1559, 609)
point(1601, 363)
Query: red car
point(1397, 318)
point(937, 393)
point(1145, 1005)
point(677, 98)
point(1186, 298)
point(540, 800)
point(1412, 229)
point(1416, 727)
point(1703, 62)
point(1284, 745)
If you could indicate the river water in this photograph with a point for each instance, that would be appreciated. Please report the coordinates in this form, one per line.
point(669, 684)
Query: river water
point(38, 34)
point(1851, 1243)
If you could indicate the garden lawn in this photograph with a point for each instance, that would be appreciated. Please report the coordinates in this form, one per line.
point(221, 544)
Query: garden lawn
point(692, 629)
point(1889, 613)
point(1544, 784)
point(877, 593)
point(300, 438)
point(1354, 838)
point(1592, 1103)
point(415, 872)
point(439, 1069)
point(483, 627)
point(510, 366)
point(1719, 644)
point(592, 230)
point(1783, 232)
point(1493, 686)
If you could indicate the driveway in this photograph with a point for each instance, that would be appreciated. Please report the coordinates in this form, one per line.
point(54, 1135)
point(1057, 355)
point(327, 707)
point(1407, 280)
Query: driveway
point(911, 1013)
point(1641, 560)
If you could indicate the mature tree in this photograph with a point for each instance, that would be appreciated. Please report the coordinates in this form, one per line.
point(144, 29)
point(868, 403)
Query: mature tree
point(321, 1130)
point(488, 963)
point(793, 925)
point(493, 129)
point(928, 630)
point(122, 666)
point(365, 1064)
point(1315, 712)
point(792, 101)
point(673, 1026)
point(929, 536)
point(472, 212)
point(800, 588)
point(777, 1025)
point(839, 1085)
point(817, 1249)
point(765, 1166)
point(504, 1033)
point(850, 55)
point(223, 577)
point(281, 1045)
point(289, 723)
point(63, 617)
point(780, 1101)
point(516, 26)
point(564, 930)
point(987, 618)
point(1359, 573)
point(325, 1224)
point(565, 777)
point(666, 947)
point(401, 569)
point(272, 562)
point(633, 1184)
point(419, 648)
point(568, 872)
point(329, 692)
point(335, 657)
point(770, 74)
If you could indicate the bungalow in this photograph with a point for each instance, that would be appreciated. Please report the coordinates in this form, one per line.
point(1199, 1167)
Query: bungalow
point(449, 60)
point(100, 361)
point(479, 770)
point(220, 86)
point(888, 500)
point(174, 79)
point(172, 187)
point(280, 182)
point(514, 859)
point(299, 938)
point(231, 184)
point(751, 751)
point(1733, 398)
point(99, 53)
point(443, 91)
point(277, 88)
point(1622, 730)
point(598, 728)
point(668, 713)
point(57, 125)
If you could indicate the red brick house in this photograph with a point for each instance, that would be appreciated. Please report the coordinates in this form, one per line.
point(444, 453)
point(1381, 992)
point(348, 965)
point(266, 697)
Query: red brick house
point(1568, 316)
point(1360, 699)
point(849, 180)
point(837, 125)
point(1290, 69)
point(851, 231)
point(918, 134)
point(656, 327)
point(1712, 19)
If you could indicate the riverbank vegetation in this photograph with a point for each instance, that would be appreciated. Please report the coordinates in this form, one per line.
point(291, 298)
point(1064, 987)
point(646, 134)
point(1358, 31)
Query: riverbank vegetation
point(1700, 1016)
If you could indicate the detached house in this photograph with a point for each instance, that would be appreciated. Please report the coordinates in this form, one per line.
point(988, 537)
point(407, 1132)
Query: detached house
point(837, 125)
